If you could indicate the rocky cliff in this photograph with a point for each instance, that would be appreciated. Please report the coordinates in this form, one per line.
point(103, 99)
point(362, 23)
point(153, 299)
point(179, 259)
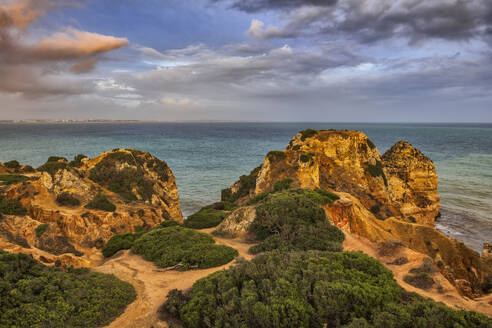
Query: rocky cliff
point(70, 209)
point(382, 198)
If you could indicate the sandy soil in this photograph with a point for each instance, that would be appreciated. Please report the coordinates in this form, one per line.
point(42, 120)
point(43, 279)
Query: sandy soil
point(153, 284)
point(448, 294)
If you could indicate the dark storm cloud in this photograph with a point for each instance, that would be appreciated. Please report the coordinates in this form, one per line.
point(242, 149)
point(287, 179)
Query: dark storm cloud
point(374, 20)
point(253, 6)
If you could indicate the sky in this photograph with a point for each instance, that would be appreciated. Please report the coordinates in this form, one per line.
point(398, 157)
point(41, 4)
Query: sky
point(247, 60)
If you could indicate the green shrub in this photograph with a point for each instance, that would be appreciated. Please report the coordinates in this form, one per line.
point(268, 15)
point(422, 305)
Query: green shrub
point(120, 242)
point(420, 280)
point(370, 144)
point(276, 155)
point(9, 179)
point(309, 289)
point(53, 165)
point(296, 147)
point(287, 290)
point(100, 202)
point(11, 206)
point(282, 185)
point(258, 198)
point(205, 218)
point(122, 181)
point(12, 164)
point(294, 220)
point(41, 229)
point(182, 248)
point(33, 295)
point(308, 134)
point(67, 199)
point(331, 196)
point(168, 223)
point(377, 171)
point(77, 161)
point(306, 157)
point(247, 183)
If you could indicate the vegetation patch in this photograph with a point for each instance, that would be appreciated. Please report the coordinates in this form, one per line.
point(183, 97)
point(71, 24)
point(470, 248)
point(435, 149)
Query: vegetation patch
point(126, 181)
point(377, 171)
point(209, 216)
point(258, 198)
point(296, 147)
point(370, 144)
point(305, 158)
point(308, 134)
point(77, 161)
point(101, 202)
point(12, 165)
point(41, 229)
point(309, 289)
point(120, 242)
point(420, 280)
point(294, 220)
point(11, 206)
point(67, 199)
point(34, 295)
point(168, 223)
point(246, 184)
point(389, 248)
point(8, 179)
point(53, 165)
point(182, 249)
point(276, 155)
point(282, 185)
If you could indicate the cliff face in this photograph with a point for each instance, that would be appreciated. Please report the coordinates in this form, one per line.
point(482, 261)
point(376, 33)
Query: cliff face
point(402, 183)
point(141, 187)
point(382, 198)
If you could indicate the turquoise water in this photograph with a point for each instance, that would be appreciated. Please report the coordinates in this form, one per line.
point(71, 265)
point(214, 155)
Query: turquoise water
point(207, 157)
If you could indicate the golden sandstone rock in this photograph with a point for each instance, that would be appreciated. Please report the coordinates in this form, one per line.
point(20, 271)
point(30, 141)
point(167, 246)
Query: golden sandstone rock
point(142, 188)
point(382, 198)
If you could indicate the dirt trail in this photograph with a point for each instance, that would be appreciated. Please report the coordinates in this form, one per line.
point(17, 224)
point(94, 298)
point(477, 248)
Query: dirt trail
point(152, 284)
point(448, 294)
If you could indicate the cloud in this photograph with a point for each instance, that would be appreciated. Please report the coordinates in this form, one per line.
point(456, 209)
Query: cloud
point(374, 20)
point(33, 67)
point(181, 102)
point(253, 6)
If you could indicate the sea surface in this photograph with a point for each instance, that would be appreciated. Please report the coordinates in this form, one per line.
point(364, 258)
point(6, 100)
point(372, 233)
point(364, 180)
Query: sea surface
point(207, 157)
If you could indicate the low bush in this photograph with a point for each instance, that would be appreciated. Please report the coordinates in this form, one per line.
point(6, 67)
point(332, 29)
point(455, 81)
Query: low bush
point(371, 144)
point(309, 289)
point(282, 185)
point(276, 155)
point(306, 157)
point(41, 229)
point(12, 164)
point(247, 183)
point(308, 134)
point(67, 199)
point(101, 202)
point(377, 171)
point(168, 223)
point(294, 220)
point(77, 161)
point(205, 218)
point(53, 165)
point(120, 242)
point(182, 248)
point(9, 179)
point(123, 181)
point(11, 206)
point(420, 280)
point(33, 295)
point(389, 248)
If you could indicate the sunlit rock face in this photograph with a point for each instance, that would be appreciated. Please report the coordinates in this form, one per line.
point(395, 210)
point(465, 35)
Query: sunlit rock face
point(382, 198)
point(141, 187)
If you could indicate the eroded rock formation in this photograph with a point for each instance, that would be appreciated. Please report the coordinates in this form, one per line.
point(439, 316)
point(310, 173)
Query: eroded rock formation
point(141, 187)
point(382, 198)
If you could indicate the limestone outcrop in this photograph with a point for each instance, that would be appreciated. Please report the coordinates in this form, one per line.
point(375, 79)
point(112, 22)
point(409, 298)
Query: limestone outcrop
point(61, 226)
point(382, 198)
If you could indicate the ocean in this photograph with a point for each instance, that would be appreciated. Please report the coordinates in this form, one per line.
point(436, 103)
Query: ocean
point(207, 157)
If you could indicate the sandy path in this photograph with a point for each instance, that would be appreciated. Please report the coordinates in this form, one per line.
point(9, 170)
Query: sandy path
point(152, 284)
point(448, 295)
